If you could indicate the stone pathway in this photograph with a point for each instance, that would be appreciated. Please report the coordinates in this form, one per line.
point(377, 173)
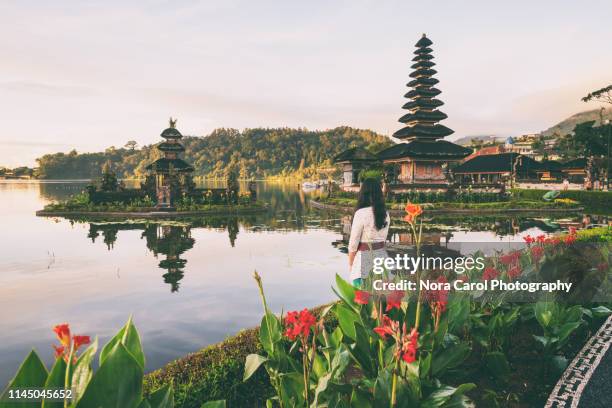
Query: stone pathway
point(587, 381)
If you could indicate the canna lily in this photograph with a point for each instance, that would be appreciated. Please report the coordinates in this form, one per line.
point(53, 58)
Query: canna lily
point(299, 324)
point(410, 345)
point(412, 212)
point(537, 252)
point(68, 346)
point(514, 272)
point(62, 331)
point(362, 297)
point(490, 273)
point(388, 327)
point(394, 300)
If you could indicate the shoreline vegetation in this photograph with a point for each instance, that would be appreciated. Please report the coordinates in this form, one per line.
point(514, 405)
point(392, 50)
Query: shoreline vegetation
point(216, 372)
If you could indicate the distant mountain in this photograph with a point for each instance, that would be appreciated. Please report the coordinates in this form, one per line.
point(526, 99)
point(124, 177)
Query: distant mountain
point(467, 140)
point(567, 126)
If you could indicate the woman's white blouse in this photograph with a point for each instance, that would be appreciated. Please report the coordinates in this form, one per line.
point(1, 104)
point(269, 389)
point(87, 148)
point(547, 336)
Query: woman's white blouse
point(364, 230)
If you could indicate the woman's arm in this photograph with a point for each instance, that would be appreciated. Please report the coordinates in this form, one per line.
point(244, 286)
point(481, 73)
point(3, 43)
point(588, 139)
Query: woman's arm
point(356, 230)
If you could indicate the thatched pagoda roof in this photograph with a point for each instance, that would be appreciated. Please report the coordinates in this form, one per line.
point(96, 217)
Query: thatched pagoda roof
point(170, 147)
point(423, 42)
point(423, 131)
point(355, 154)
point(424, 116)
point(171, 133)
point(496, 163)
point(164, 165)
point(423, 149)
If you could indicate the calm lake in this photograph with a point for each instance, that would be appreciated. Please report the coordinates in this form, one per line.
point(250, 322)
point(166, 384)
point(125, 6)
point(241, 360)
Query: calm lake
point(186, 283)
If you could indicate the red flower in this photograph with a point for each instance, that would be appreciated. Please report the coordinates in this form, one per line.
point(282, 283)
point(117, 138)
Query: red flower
point(528, 239)
point(299, 324)
point(79, 341)
point(514, 272)
point(410, 346)
point(541, 239)
point(510, 258)
point(62, 331)
point(388, 327)
point(59, 350)
point(438, 298)
point(394, 300)
point(572, 230)
point(362, 297)
point(537, 252)
point(490, 273)
point(570, 239)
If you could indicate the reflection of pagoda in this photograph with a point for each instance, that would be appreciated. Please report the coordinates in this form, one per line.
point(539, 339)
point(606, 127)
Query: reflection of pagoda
point(172, 175)
point(171, 241)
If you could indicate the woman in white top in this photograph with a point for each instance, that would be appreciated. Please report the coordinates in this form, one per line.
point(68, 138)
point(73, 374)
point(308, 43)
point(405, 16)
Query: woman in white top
point(368, 232)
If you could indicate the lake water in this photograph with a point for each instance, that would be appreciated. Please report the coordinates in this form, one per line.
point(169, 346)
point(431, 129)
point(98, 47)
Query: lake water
point(187, 284)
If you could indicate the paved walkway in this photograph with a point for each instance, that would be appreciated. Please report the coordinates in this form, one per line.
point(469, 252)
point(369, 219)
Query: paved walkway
point(587, 382)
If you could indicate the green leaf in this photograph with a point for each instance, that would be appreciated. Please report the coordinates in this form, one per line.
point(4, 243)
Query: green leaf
point(558, 364)
point(449, 358)
point(144, 404)
point(269, 332)
point(360, 399)
point(601, 311)
point(82, 371)
point(117, 383)
point(497, 365)
point(345, 291)
point(162, 397)
point(214, 404)
point(253, 361)
point(128, 336)
point(293, 389)
point(544, 313)
point(56, 379)
point(31, 374)
point(567, 329)
point(362, 351)
point(346, 319)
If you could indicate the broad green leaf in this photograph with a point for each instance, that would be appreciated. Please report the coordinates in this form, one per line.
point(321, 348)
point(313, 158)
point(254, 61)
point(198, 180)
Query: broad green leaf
point(253, 361)
point(497, 365)
point(449, 358)
point(162, 397)
point(128, 336)
point(117, 383)
point(82, 371)
point(567, 329)
point(269, 332)
point(544, 313)
point(601, 311)
point(214, 404)
point(345, 291)
point(362, 351)
point(56, 379)
point(144, 404)
point(360, 399)
point(346, 319)
point(31, 374)
point(292, 385)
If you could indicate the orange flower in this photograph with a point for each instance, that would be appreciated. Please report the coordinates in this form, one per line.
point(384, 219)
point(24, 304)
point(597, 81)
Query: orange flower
point(62, 331)
point(412, 211)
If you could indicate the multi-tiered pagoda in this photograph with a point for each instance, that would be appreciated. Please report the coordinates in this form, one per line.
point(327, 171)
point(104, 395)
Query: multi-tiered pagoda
point(419, 160)
point(172, 174)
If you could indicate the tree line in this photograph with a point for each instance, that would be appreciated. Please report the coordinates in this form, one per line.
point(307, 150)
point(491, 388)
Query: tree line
point(257, 153)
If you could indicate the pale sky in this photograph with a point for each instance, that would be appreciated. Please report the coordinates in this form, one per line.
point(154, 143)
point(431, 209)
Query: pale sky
point(90, 74)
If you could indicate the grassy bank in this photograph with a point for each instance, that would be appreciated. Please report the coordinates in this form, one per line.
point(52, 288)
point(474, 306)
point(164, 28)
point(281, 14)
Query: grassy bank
point(216, 372)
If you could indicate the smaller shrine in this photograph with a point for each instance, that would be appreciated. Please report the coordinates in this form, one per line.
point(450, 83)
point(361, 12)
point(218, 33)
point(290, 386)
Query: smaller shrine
point(170, 176)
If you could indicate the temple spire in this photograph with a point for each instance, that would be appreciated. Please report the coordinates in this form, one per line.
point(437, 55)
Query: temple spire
point(421, 121)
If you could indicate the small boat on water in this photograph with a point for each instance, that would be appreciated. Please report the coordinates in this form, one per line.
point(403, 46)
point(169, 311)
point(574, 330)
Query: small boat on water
point(311, 185)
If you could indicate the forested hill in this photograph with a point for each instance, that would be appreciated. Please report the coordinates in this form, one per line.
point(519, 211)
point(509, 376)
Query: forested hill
point(254, 152)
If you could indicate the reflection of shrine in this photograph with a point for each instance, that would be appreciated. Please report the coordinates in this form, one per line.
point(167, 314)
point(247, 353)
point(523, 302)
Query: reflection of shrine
point(171, 241)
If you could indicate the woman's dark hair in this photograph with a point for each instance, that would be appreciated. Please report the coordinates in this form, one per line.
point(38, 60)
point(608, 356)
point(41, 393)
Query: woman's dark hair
point(370, 195)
